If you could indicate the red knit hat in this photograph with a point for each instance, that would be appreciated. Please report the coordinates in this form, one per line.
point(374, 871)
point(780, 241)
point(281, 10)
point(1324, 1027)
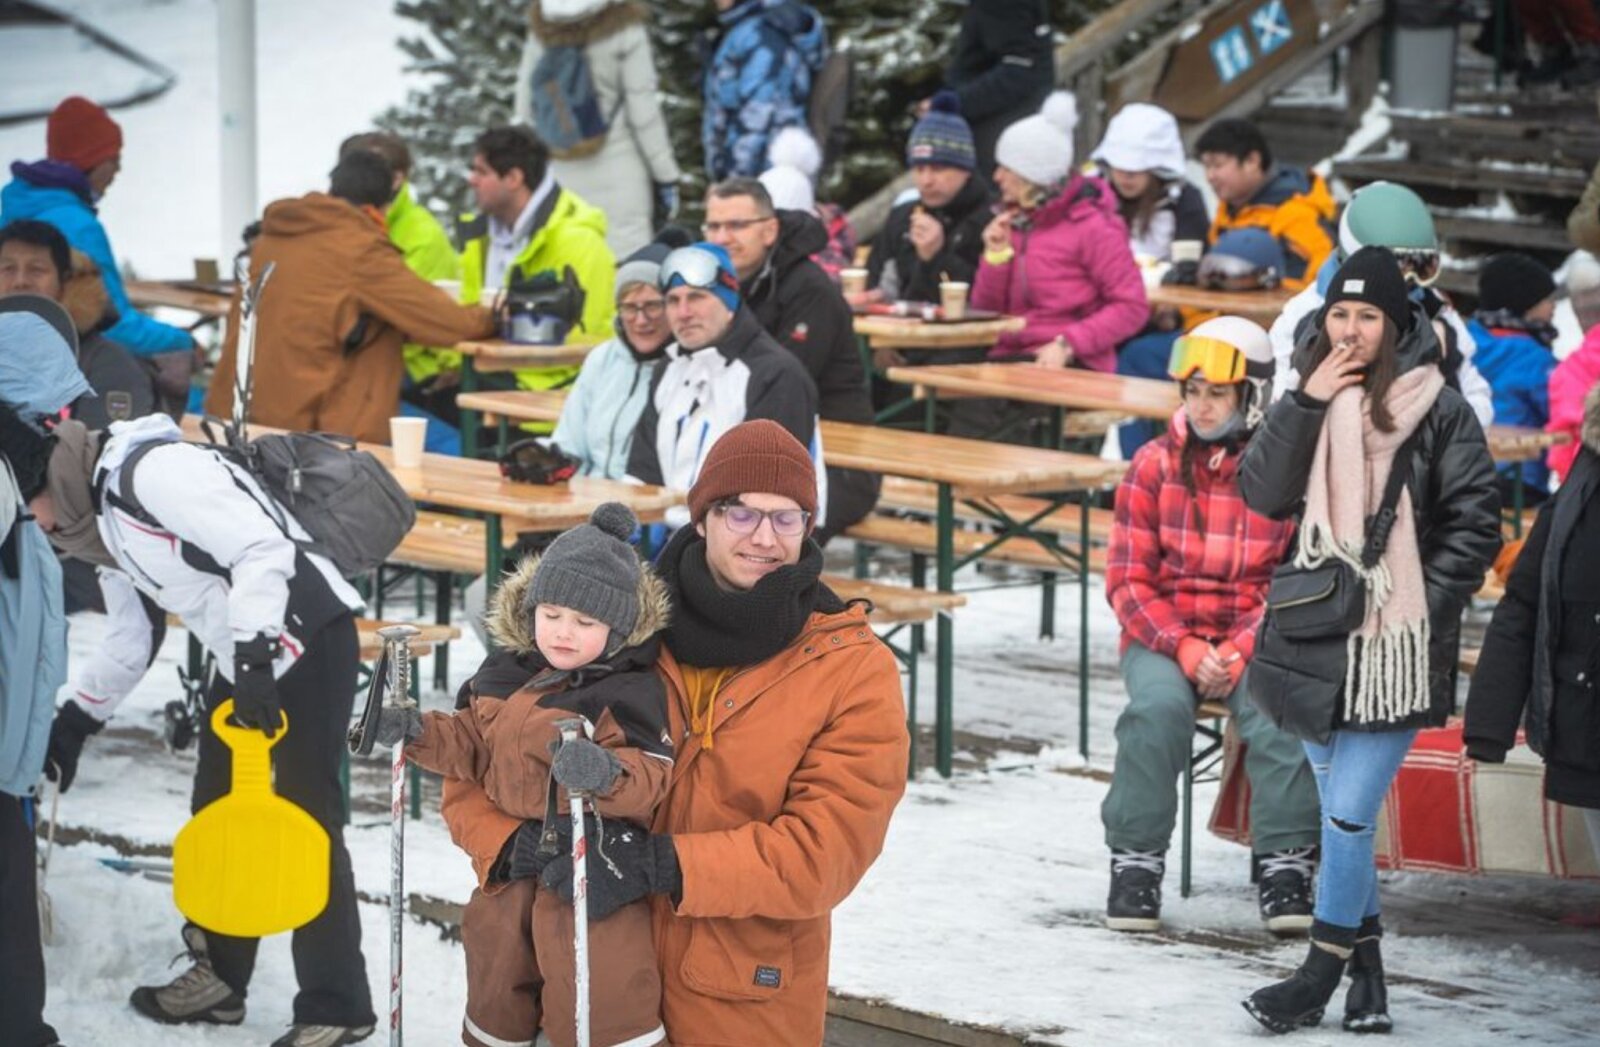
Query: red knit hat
point(759, 457)
point(82, 134)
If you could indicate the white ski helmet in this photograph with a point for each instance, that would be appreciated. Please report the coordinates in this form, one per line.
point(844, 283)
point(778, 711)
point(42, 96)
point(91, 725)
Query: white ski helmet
point(1252, 343)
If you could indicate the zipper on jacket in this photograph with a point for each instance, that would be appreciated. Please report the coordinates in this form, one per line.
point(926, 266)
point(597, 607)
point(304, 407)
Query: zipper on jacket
point(611, 448)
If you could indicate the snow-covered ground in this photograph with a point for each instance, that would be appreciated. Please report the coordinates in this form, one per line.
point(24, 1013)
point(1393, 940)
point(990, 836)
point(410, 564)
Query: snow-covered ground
point(984, 907)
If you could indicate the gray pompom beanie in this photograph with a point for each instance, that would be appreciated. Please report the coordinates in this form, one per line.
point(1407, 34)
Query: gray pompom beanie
point(593, 570)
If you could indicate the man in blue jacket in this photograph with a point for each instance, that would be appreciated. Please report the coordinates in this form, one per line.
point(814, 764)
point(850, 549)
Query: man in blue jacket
point(83, 153)
point(758, 80)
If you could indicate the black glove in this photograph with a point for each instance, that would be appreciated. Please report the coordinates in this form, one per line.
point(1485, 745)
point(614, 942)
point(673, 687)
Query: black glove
point(70, 729)
point(626, 865)
point(665, 203)
point(1186, 274)
point(397, 723)
point(529, 850)
point(583, 766)
point(255, 692)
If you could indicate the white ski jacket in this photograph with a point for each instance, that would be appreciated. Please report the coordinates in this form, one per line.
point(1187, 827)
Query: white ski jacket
point(219, 560)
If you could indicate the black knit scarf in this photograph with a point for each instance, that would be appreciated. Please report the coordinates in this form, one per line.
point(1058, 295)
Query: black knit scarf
point(713, 627)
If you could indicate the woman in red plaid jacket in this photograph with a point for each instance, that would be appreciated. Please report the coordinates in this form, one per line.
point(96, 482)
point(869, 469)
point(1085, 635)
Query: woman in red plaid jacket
point(1187, 575)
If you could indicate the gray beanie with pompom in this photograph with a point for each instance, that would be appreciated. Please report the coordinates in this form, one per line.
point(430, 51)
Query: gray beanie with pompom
point(593, 570)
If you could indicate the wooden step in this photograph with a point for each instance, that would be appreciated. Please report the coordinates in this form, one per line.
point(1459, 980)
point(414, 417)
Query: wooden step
point(923, 537)
point(1454, 136)
point(1563, 183)
point(1500, 233)
point(921, 497)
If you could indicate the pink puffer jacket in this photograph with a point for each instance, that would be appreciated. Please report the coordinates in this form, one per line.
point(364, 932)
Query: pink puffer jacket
point(1073, 276)
point(1570, 382)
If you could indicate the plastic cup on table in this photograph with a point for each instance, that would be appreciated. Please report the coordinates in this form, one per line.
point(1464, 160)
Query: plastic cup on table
point(953, 297)
point(406, 439)
point(852, 281)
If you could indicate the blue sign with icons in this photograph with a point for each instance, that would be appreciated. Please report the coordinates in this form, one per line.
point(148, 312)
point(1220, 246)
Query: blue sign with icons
point(1270, 23)
point(1230, 53)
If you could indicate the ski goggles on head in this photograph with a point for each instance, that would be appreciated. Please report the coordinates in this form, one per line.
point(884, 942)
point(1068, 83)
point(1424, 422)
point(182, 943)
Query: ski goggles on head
point(696, 267)
point(1212, 359)
point(1421, 266)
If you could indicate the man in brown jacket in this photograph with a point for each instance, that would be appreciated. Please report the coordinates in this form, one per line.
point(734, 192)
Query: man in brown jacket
point(340, 305)
point(791, 755)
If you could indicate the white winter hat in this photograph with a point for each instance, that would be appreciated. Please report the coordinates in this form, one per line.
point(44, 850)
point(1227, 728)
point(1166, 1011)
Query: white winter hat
point(794, 160)
point(1143, 137)
point(1039, 147)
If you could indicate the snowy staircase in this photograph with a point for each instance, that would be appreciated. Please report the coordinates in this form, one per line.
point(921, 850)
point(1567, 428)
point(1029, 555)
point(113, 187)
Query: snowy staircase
point(1500, 171)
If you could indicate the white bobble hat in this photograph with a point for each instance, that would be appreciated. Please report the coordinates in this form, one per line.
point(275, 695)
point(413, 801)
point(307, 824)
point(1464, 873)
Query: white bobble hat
point(1039, 147)
point(1143, 137)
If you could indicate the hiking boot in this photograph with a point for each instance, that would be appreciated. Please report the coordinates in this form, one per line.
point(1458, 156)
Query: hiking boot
point(1284, 890)
point(322, 1035)
point(1135, 901)
point(196, 995)
point(1366, 1005)
point(1300, 999)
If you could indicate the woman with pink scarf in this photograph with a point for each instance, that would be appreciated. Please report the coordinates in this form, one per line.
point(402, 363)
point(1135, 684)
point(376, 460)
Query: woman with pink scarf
point(1371, 381)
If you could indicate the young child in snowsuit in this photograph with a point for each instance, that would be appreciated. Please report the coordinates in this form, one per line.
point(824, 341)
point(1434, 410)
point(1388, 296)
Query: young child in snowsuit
point(583, 621)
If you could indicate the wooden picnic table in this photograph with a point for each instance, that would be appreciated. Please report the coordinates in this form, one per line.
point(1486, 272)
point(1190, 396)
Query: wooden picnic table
point(1059, 388)
point(476, 486)
point(486, 355)
point(1516, 443)
point(1261, 306)
point(208, 301)
point(912, 332)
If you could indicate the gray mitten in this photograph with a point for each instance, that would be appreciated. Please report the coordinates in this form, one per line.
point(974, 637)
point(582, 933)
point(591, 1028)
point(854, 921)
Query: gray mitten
point(397, 724)
point(583, 766)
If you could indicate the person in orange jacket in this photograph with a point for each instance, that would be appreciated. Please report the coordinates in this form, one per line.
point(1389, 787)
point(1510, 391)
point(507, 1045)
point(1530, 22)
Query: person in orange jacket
point(1293, 205)
point(790, 758)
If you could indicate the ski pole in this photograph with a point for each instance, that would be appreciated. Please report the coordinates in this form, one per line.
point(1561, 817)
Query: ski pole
point(571, 730)
point(396, 639)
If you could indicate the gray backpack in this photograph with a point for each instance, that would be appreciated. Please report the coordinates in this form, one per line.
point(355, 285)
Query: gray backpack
point(350, 505)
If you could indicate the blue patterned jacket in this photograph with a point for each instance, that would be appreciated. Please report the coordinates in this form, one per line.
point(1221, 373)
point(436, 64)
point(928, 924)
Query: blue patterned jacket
point(758, 81)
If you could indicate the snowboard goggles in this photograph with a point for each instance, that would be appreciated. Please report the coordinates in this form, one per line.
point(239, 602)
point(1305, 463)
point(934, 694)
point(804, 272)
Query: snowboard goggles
point(1421, 266)
point(1220, 272)
point(1214, 360)
point(696, 267)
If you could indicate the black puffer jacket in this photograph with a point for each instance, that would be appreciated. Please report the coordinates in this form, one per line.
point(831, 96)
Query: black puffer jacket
point(1542, 652)
point(1454, 499)
point(1002, 68)
point(894, 262)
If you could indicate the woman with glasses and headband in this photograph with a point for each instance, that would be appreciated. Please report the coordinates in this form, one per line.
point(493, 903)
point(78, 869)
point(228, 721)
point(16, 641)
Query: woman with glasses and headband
point(1187, 571)
point(601, 412)
point(1385, 214)
point(1372, 401)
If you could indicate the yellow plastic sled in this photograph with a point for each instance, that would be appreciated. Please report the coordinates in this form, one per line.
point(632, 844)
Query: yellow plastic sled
point(250, 863)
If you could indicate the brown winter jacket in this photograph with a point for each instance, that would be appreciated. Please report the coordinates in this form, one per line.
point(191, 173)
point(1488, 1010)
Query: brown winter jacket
point(332, 320)
point(774, 826)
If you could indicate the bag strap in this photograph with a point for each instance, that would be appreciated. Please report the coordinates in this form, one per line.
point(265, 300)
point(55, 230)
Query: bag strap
point(1379, 525)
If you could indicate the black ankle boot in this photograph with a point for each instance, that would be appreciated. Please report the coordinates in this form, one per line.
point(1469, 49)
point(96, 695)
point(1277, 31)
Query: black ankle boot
point(1301, 999)
point(1366, 1006)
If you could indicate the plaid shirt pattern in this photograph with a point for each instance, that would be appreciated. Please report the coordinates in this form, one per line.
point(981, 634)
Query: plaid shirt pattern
point(1180, 566)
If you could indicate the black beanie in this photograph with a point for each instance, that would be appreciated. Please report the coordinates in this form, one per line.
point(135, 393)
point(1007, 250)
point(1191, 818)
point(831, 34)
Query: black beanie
point(1373, 275)
point(1514, 282)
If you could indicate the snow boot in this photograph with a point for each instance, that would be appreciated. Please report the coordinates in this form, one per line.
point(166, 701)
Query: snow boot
point(1301, 999)
point(322, 1035)
point(1366, 1006)
point(196, 995)
point(1284, 890)
point(1135, 900)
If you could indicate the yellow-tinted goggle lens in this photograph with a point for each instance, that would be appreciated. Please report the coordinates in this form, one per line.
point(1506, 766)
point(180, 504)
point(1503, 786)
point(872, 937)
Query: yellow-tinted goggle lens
point(1216, 361)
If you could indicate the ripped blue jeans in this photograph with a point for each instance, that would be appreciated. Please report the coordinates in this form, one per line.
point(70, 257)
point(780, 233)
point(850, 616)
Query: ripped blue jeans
point(1353, 772)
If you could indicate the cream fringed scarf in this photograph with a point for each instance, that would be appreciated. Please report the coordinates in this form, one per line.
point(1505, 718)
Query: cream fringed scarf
point(1387, 678)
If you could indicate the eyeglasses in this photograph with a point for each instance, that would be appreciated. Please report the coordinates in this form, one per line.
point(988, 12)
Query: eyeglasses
point(649, 310)
point(1213, 359)
point(732, 225)
point(696, 267)
point(742, 519)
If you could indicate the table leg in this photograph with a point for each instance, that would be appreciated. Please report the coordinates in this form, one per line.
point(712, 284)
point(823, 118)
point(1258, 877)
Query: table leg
point(1083, 627)
point(443, 601)
point(930, 409)
point(1057, 437)
point(469, 417)
point(1516, 500)
point(919, 580)
point(494, 559)
point(944, 699)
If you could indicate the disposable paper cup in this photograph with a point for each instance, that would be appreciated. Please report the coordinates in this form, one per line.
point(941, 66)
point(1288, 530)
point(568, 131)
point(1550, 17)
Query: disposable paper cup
point(406, 437)
point(953, 296)
point(853, 281)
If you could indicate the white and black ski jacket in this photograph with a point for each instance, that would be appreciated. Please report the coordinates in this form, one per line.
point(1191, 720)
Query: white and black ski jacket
point(698, 396)
point(206, 543)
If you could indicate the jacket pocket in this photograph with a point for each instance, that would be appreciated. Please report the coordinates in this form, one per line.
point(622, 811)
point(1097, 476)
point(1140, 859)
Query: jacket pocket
point(1574, 725)
point(1298, 684)
point(748, 959)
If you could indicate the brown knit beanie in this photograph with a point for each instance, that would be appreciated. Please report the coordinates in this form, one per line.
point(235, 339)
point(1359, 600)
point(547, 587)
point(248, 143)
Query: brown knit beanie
point(759, 457)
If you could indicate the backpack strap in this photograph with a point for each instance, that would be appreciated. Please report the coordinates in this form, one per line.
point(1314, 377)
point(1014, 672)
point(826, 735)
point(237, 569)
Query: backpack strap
point(1379, 525)
point(123, 499)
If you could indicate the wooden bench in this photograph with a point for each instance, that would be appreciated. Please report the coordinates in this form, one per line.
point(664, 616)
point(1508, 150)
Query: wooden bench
point(923, 537)
point(428, 636)
point(921, 497)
